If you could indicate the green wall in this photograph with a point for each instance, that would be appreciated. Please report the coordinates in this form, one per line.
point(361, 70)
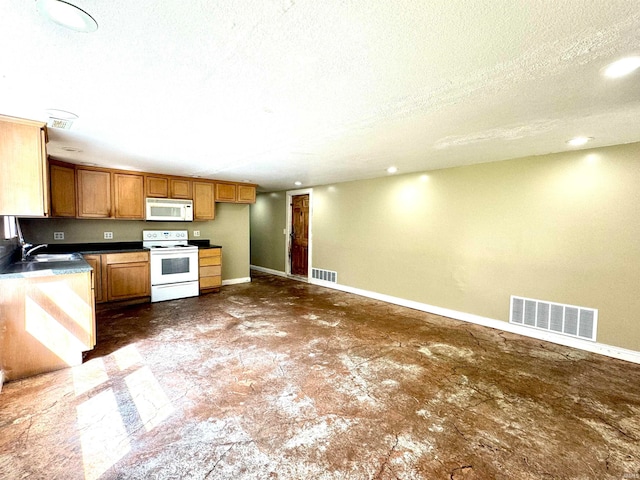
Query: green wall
point(562, 228)
point(230, 229)
point(268, 221)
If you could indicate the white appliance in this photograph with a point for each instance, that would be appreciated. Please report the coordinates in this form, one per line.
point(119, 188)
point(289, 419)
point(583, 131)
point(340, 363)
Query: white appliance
point(169, 210)
point(174, 264)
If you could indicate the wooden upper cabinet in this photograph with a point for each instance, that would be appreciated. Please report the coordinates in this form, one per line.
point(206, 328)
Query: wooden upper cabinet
point(235, 192)
point(225, 192)
point(24, 182)
point(180, 188)
point(246, 194)
point(157, 187)
point(128, 195)
point(203, 201)
point(94, 193)
point(63, 190)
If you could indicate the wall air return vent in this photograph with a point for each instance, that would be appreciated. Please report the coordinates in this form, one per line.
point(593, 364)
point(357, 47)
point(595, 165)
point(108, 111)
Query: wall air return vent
point(324, 275)
point(579, 322)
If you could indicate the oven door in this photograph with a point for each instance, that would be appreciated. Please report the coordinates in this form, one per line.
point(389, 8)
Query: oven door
point(173, 267)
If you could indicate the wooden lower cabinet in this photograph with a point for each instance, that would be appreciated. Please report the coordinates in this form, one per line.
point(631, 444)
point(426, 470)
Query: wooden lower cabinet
point(120, 276)
point(46, 323)
point(96, 276)
point(210, 269)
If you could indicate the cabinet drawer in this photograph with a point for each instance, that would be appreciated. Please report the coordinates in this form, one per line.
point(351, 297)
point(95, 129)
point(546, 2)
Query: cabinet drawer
point(209, 252)
point(211, 270)
point(210, 282)
point(127, 257)
point(210, 261)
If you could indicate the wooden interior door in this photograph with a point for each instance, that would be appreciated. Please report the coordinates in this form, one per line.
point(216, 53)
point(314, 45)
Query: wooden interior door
point(300, 235)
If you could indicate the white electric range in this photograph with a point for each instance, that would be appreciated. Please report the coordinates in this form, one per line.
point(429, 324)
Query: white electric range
point(174, 264)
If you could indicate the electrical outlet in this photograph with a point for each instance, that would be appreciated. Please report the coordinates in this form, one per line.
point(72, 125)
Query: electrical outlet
point(108, 235)
point(58, 235)
point(196, 233)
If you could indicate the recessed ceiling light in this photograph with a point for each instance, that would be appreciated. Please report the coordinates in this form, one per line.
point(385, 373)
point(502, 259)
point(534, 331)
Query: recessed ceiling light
point(392, 170)
point(67, 15)
point(622, 67)
point(578, 141)
point(297, 184)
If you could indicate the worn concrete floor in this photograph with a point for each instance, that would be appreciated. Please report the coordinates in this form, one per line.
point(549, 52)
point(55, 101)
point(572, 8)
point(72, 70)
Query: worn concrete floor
point(278, 379)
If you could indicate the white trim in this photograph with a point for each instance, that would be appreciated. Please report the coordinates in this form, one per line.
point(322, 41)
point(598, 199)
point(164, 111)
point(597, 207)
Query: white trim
point(234, 281)
point(268, 270)
point(589, 346)
point(287, 243)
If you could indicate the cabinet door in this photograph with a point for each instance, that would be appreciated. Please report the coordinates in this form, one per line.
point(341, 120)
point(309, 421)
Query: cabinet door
point(23, 168)
point(157, 187)
point(225, 192)
point(94, 193)
point(246, 194)
point(63, 190)
point(96, 278)
point(128, 192)
point(180, 188)
point(203, 204)
point(128, 280)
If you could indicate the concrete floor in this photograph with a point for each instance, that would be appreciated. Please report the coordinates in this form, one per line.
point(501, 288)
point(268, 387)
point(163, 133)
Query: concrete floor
point(278, 379)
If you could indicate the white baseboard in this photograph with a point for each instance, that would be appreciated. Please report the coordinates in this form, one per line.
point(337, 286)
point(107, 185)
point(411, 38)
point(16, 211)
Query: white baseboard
point(268, 270)
point(234, 281)
point(594, 347)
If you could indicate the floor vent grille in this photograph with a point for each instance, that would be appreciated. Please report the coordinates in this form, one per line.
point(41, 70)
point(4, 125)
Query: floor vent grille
point(579, 322)
point(324, 275)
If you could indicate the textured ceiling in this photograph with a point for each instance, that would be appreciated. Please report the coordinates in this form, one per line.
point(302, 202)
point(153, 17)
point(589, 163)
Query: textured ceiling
point(274, 91)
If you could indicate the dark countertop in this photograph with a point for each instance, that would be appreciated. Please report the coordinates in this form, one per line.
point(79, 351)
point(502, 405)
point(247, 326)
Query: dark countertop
point(94, 248)
point(43, 269)
point(18, 269)
point(202, 244)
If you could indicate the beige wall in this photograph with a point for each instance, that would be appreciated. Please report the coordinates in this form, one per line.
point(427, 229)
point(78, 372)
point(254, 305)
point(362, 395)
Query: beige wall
point(268, 220)
point(230, 229)
point(562, 227)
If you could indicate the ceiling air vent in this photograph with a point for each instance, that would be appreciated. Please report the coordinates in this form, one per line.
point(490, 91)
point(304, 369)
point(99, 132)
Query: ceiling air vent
point(62, 123)
point(324, 275)
point(579, 322)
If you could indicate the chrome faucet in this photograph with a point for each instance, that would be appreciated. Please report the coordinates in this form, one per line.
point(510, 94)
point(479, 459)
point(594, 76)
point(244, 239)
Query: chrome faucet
point(28, 249)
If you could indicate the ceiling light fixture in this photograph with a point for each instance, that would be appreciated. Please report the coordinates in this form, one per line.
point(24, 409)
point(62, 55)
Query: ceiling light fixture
point(392, 170)
point(622, 67)
point(297, 184)
point(67, 15)
point(578, 141)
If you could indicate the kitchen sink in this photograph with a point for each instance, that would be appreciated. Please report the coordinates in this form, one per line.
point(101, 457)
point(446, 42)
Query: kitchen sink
point(55, 257)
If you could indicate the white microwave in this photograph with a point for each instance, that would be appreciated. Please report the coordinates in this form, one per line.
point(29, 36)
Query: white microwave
point(169, 210)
